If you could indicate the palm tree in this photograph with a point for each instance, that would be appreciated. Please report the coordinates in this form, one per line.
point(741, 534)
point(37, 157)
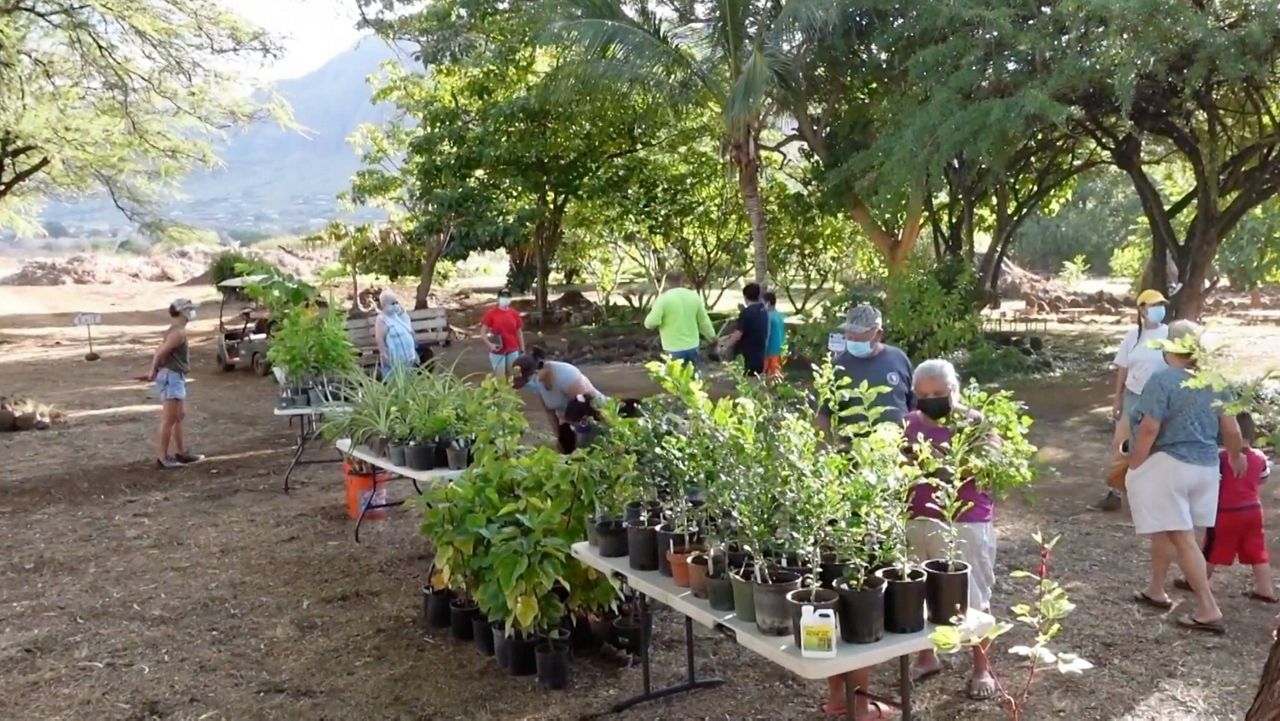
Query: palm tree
point(731, 54)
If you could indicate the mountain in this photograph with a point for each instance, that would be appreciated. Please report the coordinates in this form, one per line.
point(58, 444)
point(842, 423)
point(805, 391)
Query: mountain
point(278, 180)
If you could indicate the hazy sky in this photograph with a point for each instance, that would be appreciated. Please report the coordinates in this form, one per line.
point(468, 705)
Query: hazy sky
point(311, 31)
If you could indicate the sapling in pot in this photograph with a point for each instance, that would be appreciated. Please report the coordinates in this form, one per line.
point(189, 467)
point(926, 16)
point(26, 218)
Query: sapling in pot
point(947, 578)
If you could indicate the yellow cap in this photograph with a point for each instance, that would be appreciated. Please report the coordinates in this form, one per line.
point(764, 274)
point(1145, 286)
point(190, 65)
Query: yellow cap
point(1151, 297)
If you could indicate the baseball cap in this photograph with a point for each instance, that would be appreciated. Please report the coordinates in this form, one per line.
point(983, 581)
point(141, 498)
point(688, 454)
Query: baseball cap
point(1151, 296)
point(181, 304)
point(1185, 338)
point(525, 367)
point(861, 319)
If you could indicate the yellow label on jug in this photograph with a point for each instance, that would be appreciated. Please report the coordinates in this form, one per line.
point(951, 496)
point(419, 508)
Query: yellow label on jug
point(818, 639)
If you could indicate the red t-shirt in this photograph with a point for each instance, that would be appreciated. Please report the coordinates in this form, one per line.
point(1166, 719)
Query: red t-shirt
point(506, 322)
point(1236, 494)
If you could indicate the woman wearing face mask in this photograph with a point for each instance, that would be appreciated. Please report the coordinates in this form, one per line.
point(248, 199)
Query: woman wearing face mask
point(505, 334)
point(169, 367)
point(394, 334)
point(1135, 362)
point(867, 358)
point(555, 383)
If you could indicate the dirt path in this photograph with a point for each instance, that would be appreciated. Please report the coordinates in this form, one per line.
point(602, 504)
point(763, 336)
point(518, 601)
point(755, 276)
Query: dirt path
point(127, 593)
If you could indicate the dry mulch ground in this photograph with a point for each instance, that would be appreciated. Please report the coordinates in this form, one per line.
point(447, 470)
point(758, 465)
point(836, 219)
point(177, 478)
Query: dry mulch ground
point(207, 593)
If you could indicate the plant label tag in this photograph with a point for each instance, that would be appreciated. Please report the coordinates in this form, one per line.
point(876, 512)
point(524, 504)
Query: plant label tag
point(835, 342)
point(87, 319)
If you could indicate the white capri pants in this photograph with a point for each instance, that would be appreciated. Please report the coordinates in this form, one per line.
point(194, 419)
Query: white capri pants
point(1166, 494)
point(977, 545)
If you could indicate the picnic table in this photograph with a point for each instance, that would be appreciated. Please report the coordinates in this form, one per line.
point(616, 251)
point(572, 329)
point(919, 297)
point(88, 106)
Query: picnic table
point(780, 650)
point(308, 419)
point(434, 476)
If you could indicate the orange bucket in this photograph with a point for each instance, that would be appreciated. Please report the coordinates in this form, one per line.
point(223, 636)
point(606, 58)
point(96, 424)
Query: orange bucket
point(360, 486)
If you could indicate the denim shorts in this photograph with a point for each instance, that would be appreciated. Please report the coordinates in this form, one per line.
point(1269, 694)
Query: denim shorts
point(171, 385)
point(503, 361)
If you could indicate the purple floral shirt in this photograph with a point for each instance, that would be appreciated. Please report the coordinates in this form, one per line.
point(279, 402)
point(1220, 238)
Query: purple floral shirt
point(982, 508)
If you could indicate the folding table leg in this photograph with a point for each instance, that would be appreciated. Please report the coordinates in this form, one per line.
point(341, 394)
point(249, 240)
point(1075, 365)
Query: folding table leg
point(297, 455)
point(691, 683)
point(904, 682)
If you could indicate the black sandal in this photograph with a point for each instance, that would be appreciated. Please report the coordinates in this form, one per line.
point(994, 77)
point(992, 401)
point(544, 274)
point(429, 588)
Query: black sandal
point(1255, 596)
point(1144, 599)
point(1190, 622)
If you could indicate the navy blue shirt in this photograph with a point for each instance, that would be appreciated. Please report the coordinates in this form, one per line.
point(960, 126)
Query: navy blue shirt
point(753, 322)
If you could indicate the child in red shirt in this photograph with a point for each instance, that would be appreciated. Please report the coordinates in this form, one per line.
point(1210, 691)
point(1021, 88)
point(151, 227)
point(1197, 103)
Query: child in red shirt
point(1238, 531)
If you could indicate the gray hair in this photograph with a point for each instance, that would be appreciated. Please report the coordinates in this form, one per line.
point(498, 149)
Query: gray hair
point(387, 298)
point(939, 370)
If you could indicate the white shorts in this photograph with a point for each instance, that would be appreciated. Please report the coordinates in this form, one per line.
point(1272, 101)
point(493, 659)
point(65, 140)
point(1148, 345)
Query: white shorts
point(977, 544)
point(1166, 494)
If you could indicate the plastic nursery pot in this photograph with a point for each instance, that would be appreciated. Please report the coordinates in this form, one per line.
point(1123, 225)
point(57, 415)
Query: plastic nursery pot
point(436, 607)
point(581, 635)
point(946, 590)
point(831, 569)
point(698, 574)
point(482, 635)
point(642, 545)
point(736, 555)
point(629, 634)
point(458, 458)
point(669, 538)
point(300, 400)
point(501, 644)
point(593, 538)
point(462, 612)
point(395, 454)
point(635, 510)
point(720, 593)
point(744, 600)
point(420, 455)
point(613, 538)
point(315, 397)
point(523, 660)
point(552, 660)
point(679, 560)
point(602, 629)
point(862, 611)
point(819, 598)
point(442, 453)
point(903, 599)
point(773, 615)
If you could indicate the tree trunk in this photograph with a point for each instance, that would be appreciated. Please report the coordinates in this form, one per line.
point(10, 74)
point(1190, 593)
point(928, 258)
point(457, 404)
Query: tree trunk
point(747, 159)
point(1193, 272)
point(425, 279)
point(1266, 704)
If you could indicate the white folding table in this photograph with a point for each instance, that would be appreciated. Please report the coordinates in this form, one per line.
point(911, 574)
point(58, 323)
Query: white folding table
point(308, 418)
point(780, 650)
point(434, 476)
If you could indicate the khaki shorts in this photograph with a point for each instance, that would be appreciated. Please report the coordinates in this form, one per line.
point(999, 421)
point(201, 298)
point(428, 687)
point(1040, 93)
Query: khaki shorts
point(977, 545)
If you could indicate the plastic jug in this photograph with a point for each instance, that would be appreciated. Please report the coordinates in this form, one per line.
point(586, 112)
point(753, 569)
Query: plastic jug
point(817, 632)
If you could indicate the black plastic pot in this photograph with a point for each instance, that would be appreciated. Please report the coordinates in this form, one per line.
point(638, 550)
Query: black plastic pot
point(300, 400)
point(501, 645)
point(457, 458)
point(524, 662)
point(602, 629)
point(628, 634)
point(461, 613)
point(773, 615)
point(642, 545)
point(744, 600)
point(395, 454)
point(553, 665)
point(720, 593)
point(635, 510)
point(436, 606)
point(903, 600)
point(613, 538)
point(420, 456)
point(862, 611)
point(593, 538)
point(946, 590)
point(816, 597)
point(442, 453)
point(482, 634)
point(581, 636)
point(736, 555)
point(669, 538)
point(831, 570)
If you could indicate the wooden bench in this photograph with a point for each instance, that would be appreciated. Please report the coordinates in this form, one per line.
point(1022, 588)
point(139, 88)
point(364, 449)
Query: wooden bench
point(430, 327)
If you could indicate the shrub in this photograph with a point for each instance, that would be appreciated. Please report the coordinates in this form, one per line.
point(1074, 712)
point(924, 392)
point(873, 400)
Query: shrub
point(231, 264)
point(1075, 270)
point(1129, 261)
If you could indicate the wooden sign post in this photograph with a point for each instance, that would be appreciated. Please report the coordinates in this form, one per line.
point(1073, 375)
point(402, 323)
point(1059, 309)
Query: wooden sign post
point(89, 320)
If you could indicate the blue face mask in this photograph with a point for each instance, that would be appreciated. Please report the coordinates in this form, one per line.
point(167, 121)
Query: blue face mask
point(1155, 314)
point(534, 385)
point(858, 348)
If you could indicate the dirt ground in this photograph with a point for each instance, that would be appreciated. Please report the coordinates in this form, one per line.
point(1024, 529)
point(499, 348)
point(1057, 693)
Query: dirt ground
point(207, 593)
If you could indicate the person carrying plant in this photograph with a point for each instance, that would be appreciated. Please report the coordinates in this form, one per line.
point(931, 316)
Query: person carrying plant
point(777, 337)
point(169, 367)
point(1135, 362)
point(1238, 530)
point(506, 335)
point(394, 334)
point(680, 317)
point(867, 358)
point(933, 426)
point(556, 383)
point(751, 336)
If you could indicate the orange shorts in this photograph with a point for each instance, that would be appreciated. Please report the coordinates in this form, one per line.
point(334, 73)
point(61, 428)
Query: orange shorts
point(773, 365)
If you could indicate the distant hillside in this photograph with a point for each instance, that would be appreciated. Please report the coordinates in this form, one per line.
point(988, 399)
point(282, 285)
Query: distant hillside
point(278, 180)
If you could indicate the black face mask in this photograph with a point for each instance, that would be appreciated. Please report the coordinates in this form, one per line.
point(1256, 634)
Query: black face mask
point(935, 408)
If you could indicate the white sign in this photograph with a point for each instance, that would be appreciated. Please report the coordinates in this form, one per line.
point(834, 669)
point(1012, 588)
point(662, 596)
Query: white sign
point(88, 319)
point(835, 342)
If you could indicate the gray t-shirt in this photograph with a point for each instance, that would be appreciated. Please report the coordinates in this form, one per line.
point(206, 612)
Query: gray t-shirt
point(1188, 417)
point(889, 368)
point(563, 377)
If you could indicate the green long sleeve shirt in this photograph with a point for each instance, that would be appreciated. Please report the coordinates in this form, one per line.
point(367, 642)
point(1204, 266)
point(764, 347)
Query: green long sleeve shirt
point(680, 316)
